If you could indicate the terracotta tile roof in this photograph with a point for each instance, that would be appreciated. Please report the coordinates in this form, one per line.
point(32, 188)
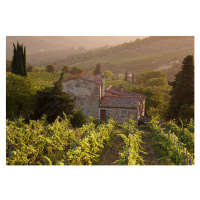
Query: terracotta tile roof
point(118, 102)
point(83, 76)
point(115, 91)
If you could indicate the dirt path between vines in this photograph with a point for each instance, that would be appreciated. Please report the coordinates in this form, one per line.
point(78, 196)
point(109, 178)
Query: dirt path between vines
point(111, 153)
point(149, 158)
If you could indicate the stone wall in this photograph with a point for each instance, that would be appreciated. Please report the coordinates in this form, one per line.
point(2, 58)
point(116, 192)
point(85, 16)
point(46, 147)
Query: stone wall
point(115, 113)
point(86, 93)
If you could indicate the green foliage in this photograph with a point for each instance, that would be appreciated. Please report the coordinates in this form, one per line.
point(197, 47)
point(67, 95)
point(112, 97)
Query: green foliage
point(158, 82)
point(50, 68)
point(53, 102)
point(78, 118)
point(35, 142)
point(146, 77)
point(19, 96)
point(42, 80)
point(30, 68)
point(87, 150)
point(130, 155)
point(186, 135)
point(182, 93)
point(165, 143)
point(108, 73)
point(186, 112)
point(153, 112)
point(76, 70)
point(66, 69)
point(97, 70)
point(154, 99)
point(58, 87)
point(18, 64)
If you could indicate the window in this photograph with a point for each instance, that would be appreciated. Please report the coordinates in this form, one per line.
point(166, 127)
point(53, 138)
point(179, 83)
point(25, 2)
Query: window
point(84, 111)
point(124, 112)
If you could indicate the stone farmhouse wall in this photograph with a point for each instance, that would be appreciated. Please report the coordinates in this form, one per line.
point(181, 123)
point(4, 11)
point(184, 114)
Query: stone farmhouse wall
point(115, 113)
point(86, 93)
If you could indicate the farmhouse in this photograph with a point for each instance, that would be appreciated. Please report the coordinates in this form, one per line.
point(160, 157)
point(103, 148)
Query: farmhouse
point(103, 103)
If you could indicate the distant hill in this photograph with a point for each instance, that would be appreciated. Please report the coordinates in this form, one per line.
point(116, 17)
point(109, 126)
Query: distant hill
point(44, 44)
point(151, 53)
point(132, 54)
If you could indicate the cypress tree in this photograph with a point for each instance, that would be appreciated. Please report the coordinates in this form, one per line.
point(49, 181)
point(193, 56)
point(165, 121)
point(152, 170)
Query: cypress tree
point(97, 69)
point(18, 64)
point(182, 93)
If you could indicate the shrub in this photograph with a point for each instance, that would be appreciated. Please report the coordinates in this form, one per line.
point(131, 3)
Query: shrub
point(78, 118)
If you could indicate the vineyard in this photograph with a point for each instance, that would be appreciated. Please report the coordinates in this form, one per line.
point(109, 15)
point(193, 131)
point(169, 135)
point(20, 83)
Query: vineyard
point(175, 144)
point(40, 143)
point(43, 79)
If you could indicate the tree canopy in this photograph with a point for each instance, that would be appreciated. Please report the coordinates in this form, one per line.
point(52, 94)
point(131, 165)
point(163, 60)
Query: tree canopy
point(145, 76)
point(50, 68)
point(97, 70)
point(53, 102)
point(20, 93)
point(18, 64)
point(76, 70)
point(108, 73)
point(182, 93)
point(65, 69)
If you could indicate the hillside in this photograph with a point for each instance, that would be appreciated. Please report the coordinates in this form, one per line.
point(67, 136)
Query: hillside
point(152, 53)
point(47, 49)
point(148, 53)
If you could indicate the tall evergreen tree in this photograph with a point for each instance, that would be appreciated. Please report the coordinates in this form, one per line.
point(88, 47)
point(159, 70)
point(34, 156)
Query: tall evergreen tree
point(18, 64)
point(97, 70)
point(182, 92)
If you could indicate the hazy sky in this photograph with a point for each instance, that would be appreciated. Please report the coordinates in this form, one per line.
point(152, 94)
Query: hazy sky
point(52, 43)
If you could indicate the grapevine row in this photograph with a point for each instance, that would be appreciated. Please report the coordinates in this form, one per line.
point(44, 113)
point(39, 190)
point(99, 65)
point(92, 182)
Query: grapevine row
point(39, 143)
point(186, 135)
point(132, 145)
point(175, 149)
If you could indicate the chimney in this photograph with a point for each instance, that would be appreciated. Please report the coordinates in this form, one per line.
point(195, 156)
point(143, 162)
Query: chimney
point(121, 88)
point(102, 85)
